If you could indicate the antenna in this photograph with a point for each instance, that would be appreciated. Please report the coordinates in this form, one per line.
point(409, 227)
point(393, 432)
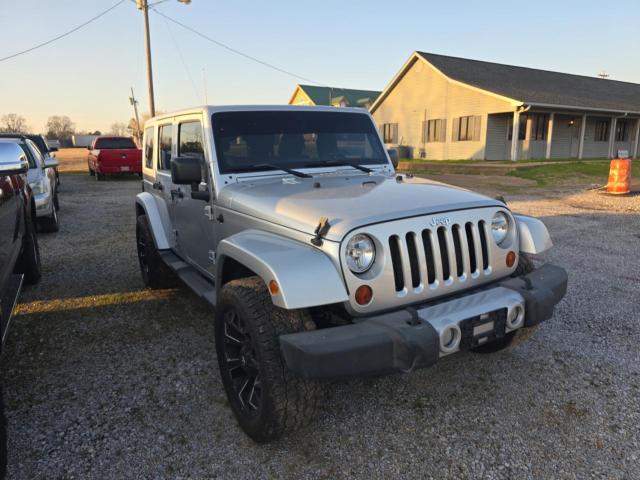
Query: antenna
point(603, 74)
point(204, 81)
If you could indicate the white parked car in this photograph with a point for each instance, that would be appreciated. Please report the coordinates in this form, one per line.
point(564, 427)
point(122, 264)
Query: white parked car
point(42, 180)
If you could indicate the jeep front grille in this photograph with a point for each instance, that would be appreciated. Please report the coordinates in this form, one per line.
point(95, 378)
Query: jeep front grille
point(441, 255)
point(419, 259)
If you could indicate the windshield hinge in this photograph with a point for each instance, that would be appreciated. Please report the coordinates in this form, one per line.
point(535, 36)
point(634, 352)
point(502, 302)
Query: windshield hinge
point(321, 230)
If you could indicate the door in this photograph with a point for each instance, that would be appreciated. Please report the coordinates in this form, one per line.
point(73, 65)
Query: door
point(164, 187)
point(192, 218)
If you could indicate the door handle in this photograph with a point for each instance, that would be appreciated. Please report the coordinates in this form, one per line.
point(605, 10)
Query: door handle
point(176, 193)
point(157, 186)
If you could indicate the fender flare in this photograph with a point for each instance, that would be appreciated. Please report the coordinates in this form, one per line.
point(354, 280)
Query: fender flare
point(534, 236)
point(306, 276)
point(156, 211)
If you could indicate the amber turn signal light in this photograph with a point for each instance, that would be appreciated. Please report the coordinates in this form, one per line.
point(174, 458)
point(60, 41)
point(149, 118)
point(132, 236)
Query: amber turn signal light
point(274, 288)
point(511, 259)
point(363, 294)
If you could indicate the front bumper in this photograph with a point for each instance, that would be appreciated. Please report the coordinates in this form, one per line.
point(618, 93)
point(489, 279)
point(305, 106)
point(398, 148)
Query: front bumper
point(403, 340)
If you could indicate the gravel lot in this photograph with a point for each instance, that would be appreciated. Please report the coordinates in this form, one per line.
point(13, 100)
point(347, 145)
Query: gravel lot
point(105, 380)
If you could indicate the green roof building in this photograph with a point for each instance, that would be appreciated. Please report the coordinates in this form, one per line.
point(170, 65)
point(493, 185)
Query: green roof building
point(336, 97)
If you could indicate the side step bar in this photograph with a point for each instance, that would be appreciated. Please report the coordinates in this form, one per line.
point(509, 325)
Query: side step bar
point(8, 302)
point(190, 276)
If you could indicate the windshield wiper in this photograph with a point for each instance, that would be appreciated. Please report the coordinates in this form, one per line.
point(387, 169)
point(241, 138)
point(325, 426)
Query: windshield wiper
point(284, 169)
point(341, 163)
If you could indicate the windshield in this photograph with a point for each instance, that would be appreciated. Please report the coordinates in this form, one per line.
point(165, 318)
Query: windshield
point(114, 143)
point(246, 141)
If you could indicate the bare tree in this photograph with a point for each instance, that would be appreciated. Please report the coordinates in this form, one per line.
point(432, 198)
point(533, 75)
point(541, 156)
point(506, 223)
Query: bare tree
point(60, 127)
point(14, 123)
point(118, 129)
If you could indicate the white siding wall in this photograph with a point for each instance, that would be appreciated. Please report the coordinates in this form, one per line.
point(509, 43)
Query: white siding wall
point(423, 88)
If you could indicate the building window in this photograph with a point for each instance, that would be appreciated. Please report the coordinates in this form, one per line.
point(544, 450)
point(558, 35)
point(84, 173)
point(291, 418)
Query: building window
point(390, 133)
point(539, 127)
point(622, 131)
point(466, 129)
point(602, 131)
point(539, 124)
point(434, 130)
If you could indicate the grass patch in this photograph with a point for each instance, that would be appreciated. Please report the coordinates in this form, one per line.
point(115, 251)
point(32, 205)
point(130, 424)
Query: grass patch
point(596, 172)
point(501, 162)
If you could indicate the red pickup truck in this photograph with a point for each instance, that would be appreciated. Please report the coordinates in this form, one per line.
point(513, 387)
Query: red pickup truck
point(110, 155)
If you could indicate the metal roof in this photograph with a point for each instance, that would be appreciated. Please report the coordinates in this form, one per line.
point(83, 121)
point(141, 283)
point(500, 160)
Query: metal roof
point(530, 85)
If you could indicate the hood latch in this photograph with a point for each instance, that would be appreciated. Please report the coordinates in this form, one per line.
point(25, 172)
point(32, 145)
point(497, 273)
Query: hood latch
point(321, 230)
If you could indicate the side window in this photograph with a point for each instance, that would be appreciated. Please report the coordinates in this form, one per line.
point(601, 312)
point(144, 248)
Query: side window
point(164, 152)
point(148, 147)
point(190, 142)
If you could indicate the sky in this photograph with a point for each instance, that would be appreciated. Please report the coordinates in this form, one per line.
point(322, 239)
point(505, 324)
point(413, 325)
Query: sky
point(352, 44)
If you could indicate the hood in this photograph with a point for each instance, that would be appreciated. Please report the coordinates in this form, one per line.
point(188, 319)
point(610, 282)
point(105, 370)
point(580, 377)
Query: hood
point(348, 201)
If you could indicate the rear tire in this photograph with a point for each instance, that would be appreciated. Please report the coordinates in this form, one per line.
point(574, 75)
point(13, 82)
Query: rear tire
point(3, 439)
point(512, 339)
point(99, 176)
point(155, 273)
point(29, 260)
point(50, 224)
point(266, 398)
point(56, 200)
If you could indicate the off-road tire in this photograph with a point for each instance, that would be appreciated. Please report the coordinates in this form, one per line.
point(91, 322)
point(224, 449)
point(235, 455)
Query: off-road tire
point(155, 273)
point(3, 439)
point(51, 223)
point(512, 339)
point(56, 201)
point(29, 260)
point(286, 401)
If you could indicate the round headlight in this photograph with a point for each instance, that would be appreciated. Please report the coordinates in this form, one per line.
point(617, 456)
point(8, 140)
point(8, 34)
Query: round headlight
point(360, 253)
point(499, 227)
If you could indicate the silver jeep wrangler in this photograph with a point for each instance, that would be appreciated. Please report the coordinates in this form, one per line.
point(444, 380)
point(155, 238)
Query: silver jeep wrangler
point(321, 261)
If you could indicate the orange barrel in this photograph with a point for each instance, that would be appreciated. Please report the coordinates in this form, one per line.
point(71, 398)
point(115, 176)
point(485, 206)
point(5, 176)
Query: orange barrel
point(619, 176)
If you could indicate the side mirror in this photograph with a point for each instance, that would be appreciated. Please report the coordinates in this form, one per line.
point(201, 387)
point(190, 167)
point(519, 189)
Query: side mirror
point(393, 155)
point(50, 162)
point(186, 171)
point(53, 149)
point(12, 159)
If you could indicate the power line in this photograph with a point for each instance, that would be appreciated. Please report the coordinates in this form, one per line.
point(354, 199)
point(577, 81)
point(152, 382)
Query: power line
point(237, 52)
point(184, 64)
point(40, 45)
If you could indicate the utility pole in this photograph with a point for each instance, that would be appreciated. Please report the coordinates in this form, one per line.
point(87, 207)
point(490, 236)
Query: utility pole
point(134, 102)
point(144, 6)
